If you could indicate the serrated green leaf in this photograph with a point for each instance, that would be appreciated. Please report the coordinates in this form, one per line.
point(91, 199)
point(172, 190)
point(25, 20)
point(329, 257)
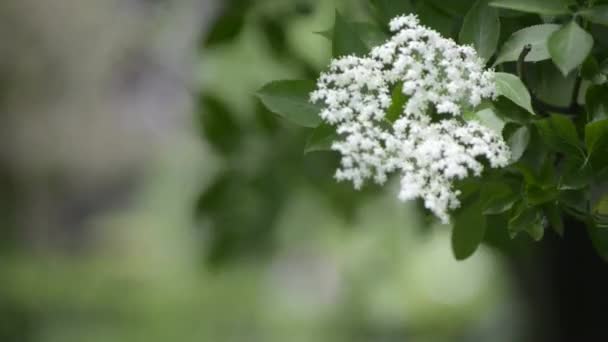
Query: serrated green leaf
point(321, 138)
point(469, 227)
point(596, 103)
point(547, 7)
point(597, 14)
point(559, 133)
point(346, 39)
point(290, 99)
point(569, 46)
point(536, 36)
point(511, 87)
point(481, 28)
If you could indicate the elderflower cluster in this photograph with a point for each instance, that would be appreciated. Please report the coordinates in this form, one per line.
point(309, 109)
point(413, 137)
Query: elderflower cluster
point(427, 143)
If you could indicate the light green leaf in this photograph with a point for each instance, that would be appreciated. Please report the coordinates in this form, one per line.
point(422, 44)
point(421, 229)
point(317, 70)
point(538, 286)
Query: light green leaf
point(346, 39)
point(597, 14)
point(388, 9)
point(321, 139)
point(511, 87)
point(469, 227)
point(290, 99)
point(518, 142)
point(537, 36)
point(481, 28)
point(547, 7)
point(569, 46)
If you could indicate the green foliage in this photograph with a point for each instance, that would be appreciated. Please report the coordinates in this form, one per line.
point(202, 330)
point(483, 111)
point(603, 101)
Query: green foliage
point(570, 46)
point(552, 112)
point(290, 99)
point(546, 7)
point(511, 87)
point(481, 28)
point(536, 36)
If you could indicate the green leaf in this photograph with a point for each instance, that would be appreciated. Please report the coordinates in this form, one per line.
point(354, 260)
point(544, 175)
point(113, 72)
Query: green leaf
point(290, 99)
point(510, 112)
point(511, 87)
point(536, 36)
point(596, 138)
point(539, 195)
point(596, 103)
point(597, 14)
point(554, 216)
point(518, 142)
point(559, 133)
point(569, 46)
point(398, 100)
point(527, 219)
point(469, 227)
point(346, 40)
point(590, 69)
point(599, 238)
point(481, 28)
point(370, 34)
point(321, 138)
point(575, 174)
point(547, 7)
point(488, 118)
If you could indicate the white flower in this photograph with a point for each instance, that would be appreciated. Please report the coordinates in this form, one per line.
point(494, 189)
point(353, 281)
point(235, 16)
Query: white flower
point(437, 76)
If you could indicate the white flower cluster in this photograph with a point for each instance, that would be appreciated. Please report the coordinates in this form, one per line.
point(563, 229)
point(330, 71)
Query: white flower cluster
point(429, 143)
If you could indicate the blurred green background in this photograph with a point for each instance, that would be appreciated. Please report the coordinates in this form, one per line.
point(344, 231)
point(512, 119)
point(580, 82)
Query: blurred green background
point(146, 195)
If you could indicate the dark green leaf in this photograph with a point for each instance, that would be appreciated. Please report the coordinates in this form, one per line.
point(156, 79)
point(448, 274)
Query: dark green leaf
point(547, 7)
point(511, 87)
point(510, 112)
point(218, 124)
point(599, 237)
point(388, 9)
point(597, 103)
point(469, 227)
point(569, 46)
point(537, 36)
point(481, 28)
point(596, 138)
point(554, 216)
point(590, 69)
point(575, 174)
point(539, 195)
point(560, 134)
point(290, 99)
point(370, 34)
point(597, 14)
point(528, 219)
point(321, 138)
point(346, 40)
